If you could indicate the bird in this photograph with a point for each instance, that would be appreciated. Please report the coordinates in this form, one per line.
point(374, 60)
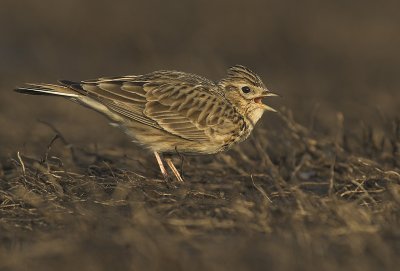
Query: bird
point(170, 111)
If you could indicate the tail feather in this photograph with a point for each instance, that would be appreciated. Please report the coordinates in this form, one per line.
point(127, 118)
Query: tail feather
point(47, 89)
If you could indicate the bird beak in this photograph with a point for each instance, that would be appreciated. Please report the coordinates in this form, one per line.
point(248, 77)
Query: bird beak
point(272, 95)
point(267, 108)
point(258, 101)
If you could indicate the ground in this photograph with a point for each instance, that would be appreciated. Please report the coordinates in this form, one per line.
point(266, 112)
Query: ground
point(289, 200)
point(315, 187)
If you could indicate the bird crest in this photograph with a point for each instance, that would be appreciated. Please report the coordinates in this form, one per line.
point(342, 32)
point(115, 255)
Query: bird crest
point(241, 73)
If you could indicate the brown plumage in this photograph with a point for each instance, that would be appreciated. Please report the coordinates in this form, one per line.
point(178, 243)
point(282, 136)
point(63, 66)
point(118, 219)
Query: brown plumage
point(171, 111)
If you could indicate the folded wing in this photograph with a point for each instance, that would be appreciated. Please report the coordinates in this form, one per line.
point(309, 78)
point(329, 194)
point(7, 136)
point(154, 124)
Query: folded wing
point(191, 108)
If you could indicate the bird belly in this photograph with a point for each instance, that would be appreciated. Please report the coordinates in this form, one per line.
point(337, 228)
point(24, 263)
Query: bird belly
point(165, 142)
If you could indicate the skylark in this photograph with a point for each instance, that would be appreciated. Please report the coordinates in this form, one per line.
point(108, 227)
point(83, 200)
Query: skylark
point(172, 111)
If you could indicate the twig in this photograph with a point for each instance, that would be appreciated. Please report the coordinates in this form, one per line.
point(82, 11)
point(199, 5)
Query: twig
point(46, 155)
point(280, 182)
point(259, 188)
point(332, 177)
point(182, 160)
point(22, 162)
point(62, 138)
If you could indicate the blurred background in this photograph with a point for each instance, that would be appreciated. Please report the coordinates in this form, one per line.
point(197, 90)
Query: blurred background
point(322, 57)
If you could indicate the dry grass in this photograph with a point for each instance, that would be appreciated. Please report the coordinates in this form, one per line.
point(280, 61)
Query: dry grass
point(290, 200)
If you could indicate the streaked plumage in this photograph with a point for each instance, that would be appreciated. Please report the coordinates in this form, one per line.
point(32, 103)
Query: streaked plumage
point(169, 111)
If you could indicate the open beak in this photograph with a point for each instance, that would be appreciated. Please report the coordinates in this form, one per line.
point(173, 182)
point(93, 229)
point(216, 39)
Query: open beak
point(258, 100)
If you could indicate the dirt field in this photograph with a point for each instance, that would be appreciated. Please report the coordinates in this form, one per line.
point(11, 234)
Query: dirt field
point(316, 187)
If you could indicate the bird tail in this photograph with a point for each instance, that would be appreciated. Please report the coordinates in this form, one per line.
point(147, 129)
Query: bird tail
point(48, 89)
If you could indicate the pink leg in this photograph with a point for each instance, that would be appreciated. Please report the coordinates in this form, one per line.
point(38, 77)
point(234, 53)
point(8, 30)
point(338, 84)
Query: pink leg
point(161, 165)
point(174, 170)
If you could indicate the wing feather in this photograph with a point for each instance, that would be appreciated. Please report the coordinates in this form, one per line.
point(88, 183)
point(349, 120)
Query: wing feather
point(181, 104)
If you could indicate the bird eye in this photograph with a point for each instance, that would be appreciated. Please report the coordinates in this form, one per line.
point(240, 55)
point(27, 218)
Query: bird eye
point(246, 89)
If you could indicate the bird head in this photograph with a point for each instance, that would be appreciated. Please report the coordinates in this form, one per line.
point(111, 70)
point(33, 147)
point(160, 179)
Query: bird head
point(245, 90)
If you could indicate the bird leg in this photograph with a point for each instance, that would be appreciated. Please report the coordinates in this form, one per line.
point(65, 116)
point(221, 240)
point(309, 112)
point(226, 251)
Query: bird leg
point(174, 170)
point(161, 165)
point(182, 160)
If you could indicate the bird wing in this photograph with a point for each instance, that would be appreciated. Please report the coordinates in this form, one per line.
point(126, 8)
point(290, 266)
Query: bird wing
point(181, 104)
point(190, 111)
point(119, 96)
